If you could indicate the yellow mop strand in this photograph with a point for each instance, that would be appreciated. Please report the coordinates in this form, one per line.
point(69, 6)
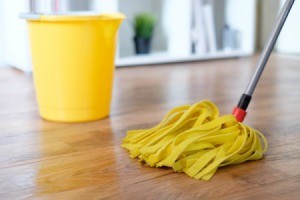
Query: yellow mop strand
point(195, 140)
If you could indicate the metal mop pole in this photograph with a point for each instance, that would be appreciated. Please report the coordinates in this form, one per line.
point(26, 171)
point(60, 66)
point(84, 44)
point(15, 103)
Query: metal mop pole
point(240, 111)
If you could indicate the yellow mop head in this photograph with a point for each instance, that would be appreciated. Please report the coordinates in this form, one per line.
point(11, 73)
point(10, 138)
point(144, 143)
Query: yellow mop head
point(195, 140)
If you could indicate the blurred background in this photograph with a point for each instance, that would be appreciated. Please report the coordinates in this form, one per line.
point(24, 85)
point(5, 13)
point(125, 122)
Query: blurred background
point(162, 31)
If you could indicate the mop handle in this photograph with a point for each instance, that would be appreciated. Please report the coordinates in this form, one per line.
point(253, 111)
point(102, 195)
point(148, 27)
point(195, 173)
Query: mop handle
point(240, 111)
point(269, 46)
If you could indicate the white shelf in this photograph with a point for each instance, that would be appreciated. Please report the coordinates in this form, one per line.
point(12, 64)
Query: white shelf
point(163, 58)
point(175, 30)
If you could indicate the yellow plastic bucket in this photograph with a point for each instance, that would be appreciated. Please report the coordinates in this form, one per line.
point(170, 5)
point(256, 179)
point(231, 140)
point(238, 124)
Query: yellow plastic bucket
point(73, 64)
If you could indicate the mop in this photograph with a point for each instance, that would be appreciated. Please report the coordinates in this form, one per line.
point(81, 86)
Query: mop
point(196, 140)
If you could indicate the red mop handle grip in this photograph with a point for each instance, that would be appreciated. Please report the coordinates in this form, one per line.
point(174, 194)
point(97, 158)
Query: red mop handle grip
point(240, 111)
point(239, 114)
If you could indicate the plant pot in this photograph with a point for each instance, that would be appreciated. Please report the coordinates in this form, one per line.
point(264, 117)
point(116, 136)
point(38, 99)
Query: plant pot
point(142, 45)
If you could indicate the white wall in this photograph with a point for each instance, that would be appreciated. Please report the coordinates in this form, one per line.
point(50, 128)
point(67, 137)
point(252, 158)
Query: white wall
point(15, 34)
point(289, 40)
point(104, 6)
point(177, 26)
point(239, 15)
point(2, 56)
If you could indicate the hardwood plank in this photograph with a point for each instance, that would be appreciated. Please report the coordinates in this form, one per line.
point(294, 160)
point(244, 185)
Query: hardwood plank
point(46, 160)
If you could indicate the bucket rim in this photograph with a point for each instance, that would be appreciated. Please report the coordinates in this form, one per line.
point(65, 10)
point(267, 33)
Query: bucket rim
point(71, 16)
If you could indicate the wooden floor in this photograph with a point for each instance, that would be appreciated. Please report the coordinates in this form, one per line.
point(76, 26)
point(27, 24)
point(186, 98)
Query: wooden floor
point(46, 160)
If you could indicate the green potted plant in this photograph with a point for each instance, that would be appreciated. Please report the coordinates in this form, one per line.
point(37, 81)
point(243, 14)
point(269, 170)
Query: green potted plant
point(144, 24)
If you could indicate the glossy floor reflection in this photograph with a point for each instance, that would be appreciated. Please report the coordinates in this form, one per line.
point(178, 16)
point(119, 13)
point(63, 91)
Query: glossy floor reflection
point(47, 160)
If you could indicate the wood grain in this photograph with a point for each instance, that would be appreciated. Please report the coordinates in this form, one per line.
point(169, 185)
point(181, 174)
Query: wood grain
point(46, 160)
